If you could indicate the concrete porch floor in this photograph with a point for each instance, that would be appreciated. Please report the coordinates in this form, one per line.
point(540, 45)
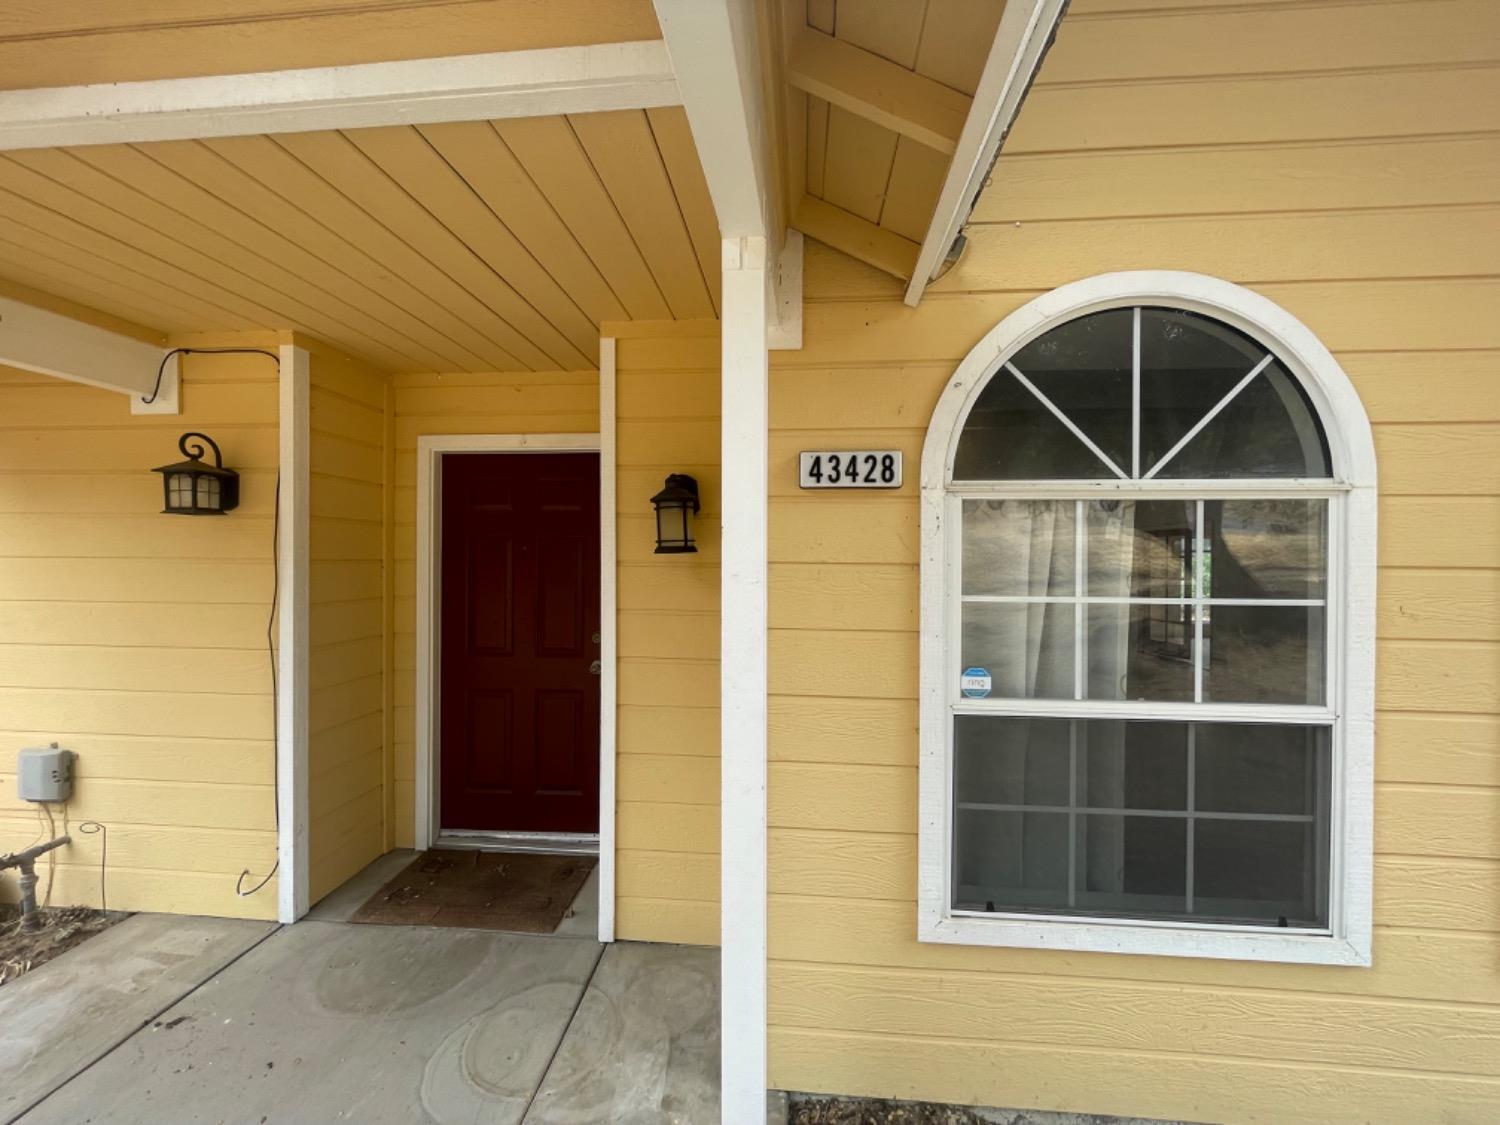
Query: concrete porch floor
point(167, 1018)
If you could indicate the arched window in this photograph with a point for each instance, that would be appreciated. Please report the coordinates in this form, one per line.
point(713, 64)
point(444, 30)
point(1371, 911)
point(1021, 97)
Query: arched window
point(1147, 648)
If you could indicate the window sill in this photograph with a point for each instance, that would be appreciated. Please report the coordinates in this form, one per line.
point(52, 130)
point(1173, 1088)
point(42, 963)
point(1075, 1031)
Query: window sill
point(1163, 940)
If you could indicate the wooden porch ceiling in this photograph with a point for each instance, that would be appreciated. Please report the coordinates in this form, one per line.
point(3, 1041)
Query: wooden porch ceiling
point(455, 247)
point(876, 93)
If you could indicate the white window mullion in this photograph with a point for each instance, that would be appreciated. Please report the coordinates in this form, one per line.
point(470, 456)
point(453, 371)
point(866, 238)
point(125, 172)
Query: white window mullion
point(1192, 805)
point(1066, 421)
point(1135, 394)
point(1210, 416)
point(1080, 630)
point(1073, 814)
point(1296, 714)
point(1200, 545)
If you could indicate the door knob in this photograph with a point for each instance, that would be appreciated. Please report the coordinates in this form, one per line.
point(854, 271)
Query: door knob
point(594, 668)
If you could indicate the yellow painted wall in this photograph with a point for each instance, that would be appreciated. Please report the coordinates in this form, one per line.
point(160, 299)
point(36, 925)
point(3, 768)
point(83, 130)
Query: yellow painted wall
point(1288, 149)
point(348, 750)
point(667, 402)
point(138, 640)
point(73, 42)
point(505, 403)
point(667, 407)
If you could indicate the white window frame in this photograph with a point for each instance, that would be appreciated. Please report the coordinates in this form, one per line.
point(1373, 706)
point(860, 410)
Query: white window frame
point(1351, 616)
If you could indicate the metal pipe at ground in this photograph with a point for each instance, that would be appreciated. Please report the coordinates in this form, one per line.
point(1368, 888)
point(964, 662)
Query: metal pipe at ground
point(26, 861)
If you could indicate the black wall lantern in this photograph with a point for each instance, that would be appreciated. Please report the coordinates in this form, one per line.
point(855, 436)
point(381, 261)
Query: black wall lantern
point(195, 488)
point(674, 504)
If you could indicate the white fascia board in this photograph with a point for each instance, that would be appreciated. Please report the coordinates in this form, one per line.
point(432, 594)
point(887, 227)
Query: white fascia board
point(635, 75)
point(50, 343)
point(1025, 32)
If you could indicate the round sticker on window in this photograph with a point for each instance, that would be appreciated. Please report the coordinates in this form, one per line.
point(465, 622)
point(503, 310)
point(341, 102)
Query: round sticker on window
point(975, 683)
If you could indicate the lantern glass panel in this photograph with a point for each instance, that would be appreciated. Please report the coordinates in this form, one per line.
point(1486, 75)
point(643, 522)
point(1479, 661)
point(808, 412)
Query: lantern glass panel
point(180, 490)
point(208, 492)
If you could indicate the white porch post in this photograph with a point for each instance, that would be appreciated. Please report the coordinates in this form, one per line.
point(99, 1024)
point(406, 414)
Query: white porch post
point(294, 586)
point(743, 686)
point(715, 53)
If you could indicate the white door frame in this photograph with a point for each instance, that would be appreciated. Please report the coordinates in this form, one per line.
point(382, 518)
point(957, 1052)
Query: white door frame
point(430, 450)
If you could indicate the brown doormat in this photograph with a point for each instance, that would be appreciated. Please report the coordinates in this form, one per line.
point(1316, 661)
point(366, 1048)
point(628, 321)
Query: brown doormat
point(475, 890)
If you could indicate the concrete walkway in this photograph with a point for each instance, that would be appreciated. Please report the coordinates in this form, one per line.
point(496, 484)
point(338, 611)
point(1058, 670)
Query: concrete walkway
point(177, 1019)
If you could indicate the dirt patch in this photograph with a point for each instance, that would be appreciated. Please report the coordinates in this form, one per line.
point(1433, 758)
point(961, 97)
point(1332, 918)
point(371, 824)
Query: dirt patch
point(850, 1111)
point(63, 927)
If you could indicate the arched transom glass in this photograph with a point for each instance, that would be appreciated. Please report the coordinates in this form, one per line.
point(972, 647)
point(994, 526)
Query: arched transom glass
point(1139, 653)
point(1141, 394)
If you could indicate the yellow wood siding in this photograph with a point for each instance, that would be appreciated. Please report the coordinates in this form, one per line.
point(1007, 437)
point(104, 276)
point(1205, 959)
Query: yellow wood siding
point(667, 789)
point(504, 403)
point(348, 752)
point(139, 640)
point(74, 42)
point(1299, 163)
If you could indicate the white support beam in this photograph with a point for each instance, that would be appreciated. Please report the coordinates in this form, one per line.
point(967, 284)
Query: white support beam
point(715, 53)
point(50, 343)
point(742, 655)
point(877, 89)
point(293, 565)
point(1025, 32)
point(554, 80)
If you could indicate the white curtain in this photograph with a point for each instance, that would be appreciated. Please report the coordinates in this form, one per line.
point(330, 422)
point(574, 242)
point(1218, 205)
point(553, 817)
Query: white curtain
point(1021, 548)
point(1111, 528)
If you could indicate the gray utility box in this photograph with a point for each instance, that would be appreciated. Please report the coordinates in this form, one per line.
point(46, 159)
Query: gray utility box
point(44, 774)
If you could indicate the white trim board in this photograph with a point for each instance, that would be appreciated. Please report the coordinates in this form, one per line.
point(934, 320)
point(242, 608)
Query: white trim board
point(715, 51)
point(1025, 32)
point(50, 343)
point(743, 681)
point(609, 626)
point(430, 449)
point(293, 567)
point(1351, 600)
point(535, 83)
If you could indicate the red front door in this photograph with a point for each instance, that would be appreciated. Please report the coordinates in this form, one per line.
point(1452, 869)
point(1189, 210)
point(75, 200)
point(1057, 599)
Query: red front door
point(519, 650)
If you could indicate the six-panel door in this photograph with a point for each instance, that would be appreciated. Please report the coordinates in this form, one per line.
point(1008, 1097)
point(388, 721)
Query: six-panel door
point(519, 649)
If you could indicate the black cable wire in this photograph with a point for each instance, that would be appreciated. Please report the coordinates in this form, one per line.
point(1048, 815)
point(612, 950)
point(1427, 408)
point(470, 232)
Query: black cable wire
point(162, 369)
point(239, 884)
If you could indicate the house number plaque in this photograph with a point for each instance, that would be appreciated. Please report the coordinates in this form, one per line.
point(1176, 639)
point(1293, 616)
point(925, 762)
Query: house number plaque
point(850, 468)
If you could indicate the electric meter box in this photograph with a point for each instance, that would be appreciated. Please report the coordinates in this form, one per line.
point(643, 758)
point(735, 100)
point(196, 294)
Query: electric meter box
point(44, 774)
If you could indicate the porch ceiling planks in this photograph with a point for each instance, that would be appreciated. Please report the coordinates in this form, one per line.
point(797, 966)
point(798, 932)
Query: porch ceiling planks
point(465, 247)
point(872, 181)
